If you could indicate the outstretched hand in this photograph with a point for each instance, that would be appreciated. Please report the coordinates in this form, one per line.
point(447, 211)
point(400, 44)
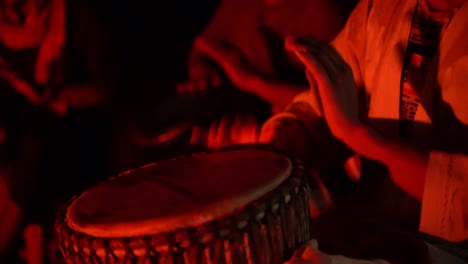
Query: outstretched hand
point(334, 82)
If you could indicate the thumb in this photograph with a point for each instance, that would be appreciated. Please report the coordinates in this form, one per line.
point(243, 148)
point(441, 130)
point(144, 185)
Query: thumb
point(198, 137)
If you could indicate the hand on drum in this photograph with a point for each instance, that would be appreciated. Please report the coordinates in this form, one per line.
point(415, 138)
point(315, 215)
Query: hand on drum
point(230, 130)
point(335, 85)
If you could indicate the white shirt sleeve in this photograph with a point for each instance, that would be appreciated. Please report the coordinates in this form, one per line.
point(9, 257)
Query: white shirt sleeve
point(445, 201)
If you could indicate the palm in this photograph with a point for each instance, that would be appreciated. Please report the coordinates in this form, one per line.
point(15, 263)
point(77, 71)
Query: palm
point(334, 83)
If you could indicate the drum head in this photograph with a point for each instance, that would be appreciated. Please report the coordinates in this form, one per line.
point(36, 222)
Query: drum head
point(177, 194)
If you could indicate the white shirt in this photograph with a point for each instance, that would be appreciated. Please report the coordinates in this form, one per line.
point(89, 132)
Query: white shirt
point(373, 43)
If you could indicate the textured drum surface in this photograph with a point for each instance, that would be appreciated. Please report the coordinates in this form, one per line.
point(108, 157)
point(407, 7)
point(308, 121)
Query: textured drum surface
point(182, 193)
point(236, 206)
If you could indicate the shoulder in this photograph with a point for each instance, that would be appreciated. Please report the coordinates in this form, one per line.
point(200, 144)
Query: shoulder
point(454, 88)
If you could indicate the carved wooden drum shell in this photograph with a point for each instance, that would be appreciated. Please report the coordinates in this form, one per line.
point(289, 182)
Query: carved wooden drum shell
point(166, 212)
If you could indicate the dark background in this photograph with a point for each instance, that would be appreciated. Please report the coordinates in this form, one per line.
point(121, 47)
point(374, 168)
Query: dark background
point(152, 40)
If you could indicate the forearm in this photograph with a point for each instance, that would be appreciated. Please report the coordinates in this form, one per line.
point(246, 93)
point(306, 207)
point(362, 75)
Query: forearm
point(407, 165)
point(278, 94)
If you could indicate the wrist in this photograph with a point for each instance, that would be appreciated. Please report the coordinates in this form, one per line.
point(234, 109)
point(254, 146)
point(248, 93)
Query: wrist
point(365, 141)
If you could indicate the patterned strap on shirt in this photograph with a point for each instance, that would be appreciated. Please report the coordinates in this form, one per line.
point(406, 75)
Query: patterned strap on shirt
point(426, 31)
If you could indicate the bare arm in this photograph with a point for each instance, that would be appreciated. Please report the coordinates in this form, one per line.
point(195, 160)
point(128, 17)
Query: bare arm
point(407, 165)
point(278, 94)
point(338, 93)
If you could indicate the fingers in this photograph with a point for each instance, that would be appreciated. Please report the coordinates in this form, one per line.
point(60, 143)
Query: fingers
point(313, 66)
point(21, 86)
point(244, 130)
point(223, 133)
point(249, 131)
point(35, 17)
point(323, 50)
point(227, 60)
point(198, 137)
point(32, 12)
point(326, 80)
point(195, 86)
point(212, 135)
point(209, 50)
point(201, 78)
point(203, 71)
point(236, 132)
point(53, 42)
point(319, 58)
point(233, 63)
point(230, 130)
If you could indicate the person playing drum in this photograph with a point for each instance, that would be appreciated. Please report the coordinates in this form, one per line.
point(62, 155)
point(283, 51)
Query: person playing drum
point(391, 88)
point(248, 50)
point(245, 63)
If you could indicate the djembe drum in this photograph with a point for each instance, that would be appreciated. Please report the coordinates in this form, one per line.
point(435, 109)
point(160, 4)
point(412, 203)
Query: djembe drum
point(241, 205)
